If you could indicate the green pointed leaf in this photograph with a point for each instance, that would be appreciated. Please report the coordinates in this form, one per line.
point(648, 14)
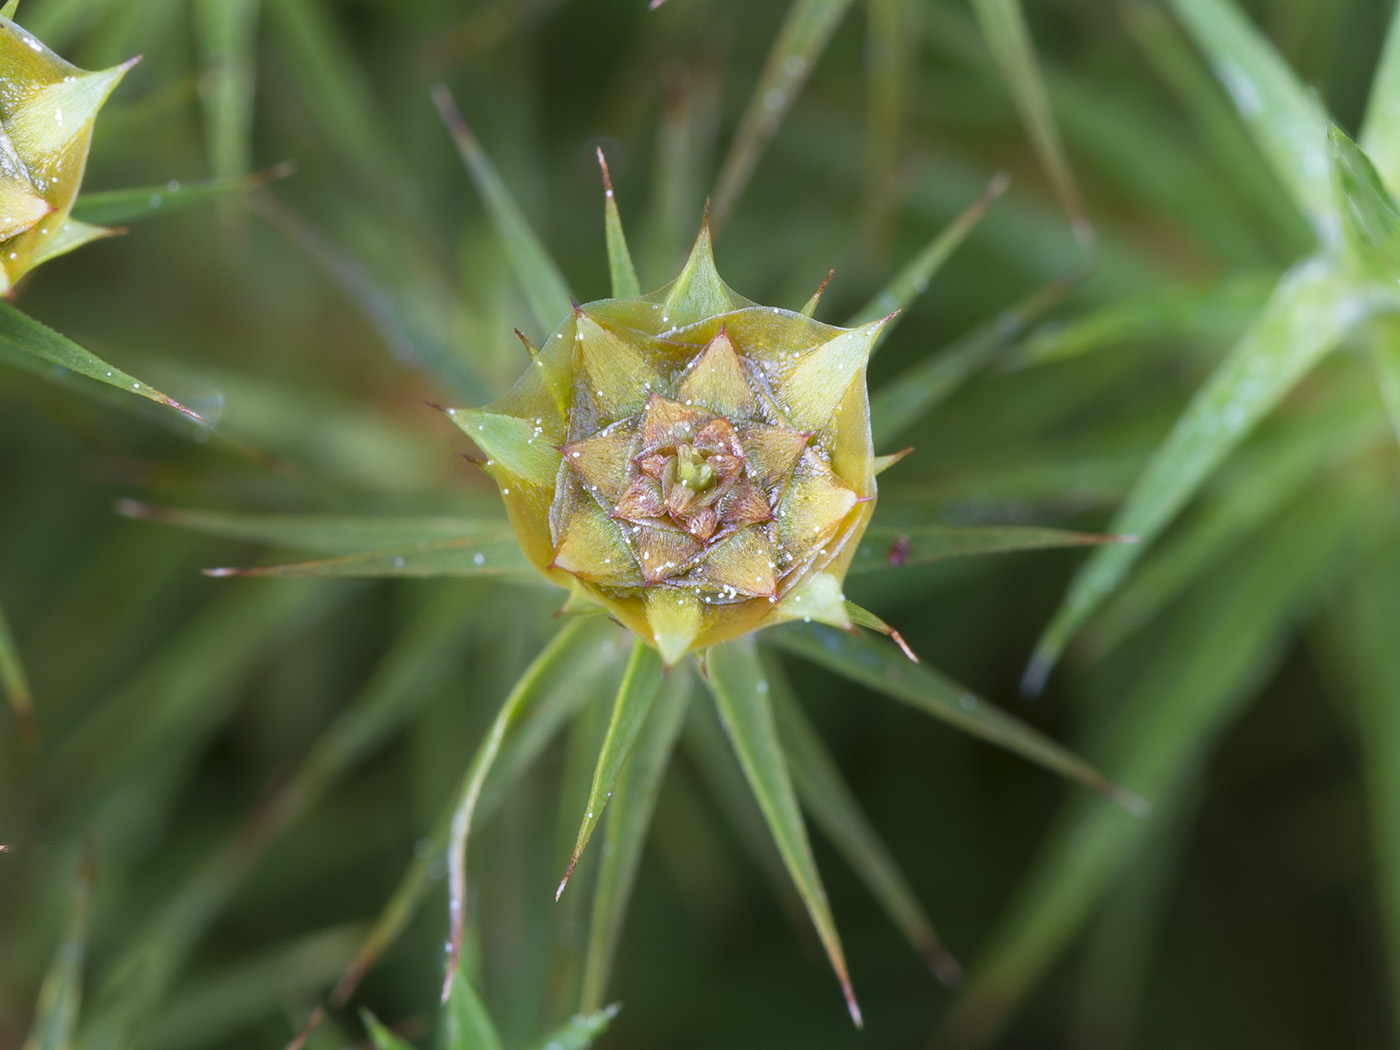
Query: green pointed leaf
point(545, 288)
point(1369, 215)
point(879, 666)
point(904, 401)
point(1311, 310)
point(520, 445)
point(465, 1023)
point(8, 11)
point(1236, 629)
point(620, 269)
point(1004, 26)
point(1380, 131)
point(913, 280)
point(498, 555)
point(1285, 118)
point(581, 1031)
point(639, 687)
point(741, 692)
point(890, 547)
point(381, 1037)
point(115, 207)
point(56, 1012)
point(829, 801)
point(321, 533)
point(629, 817)
point(803, 37)
point(28, 337)
point(14, 682)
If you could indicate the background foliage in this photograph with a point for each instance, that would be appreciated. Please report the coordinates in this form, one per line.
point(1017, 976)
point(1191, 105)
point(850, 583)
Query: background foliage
point(232, 775)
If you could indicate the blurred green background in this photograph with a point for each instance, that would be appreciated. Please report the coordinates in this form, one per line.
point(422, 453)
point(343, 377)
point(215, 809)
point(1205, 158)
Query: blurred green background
point(1245, 679)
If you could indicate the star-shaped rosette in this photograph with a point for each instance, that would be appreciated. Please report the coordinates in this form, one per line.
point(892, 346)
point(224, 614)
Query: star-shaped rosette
point(695, 463)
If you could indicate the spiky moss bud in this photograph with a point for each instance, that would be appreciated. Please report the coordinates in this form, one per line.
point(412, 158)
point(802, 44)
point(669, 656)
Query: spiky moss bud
point(699, 465)
point(47, 109)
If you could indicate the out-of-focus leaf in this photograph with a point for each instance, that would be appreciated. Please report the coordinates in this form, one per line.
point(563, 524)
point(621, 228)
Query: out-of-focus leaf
point(227, 37)
point(913, 280)
point(629, 816)
point(1312, 309)
point(1380, 131)
point(878, 666)
point(581, 1031)
point(37, 341)
point(886, 547)
point(56, 1013)
point(322, 533)
point(902, 402)
point(1369, 215)
point(483, 555)
point(1234, 628)
point(465, 1023)
point(800, 42)
point(381, 1037)
point(1385, 359)
point(826, 797)
point(741, 692)
point(1286, 120)
point(639, 687)
point(539, 277)
point(1222, 308)
point(113, 207)
point(620, 269)
point(14, 682)
point(1004, 25)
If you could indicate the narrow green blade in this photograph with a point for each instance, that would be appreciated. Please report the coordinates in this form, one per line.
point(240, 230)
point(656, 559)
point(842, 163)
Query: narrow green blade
point(1380, 131)
point(625, 832)
point(56, 1013)
point(581, 1031)
point(539, 277)
point(639, 687)
point(827, 798)
point(465, 1023)
point(381, 1037)
point(115, 207)
point(914, 278)
point(1385, 360)
point(741, 692)
point(801, 41)
point(1285, 118)
point(15, 683)
point(1370, 218)
point(321, 533)
point(472, 556)
point(27, 336)
point(878, 666)
point(1235, 629)
point(886, 547)
point(226, 32)
point(1312, 309)
point(620, 269)
point(1004, 26)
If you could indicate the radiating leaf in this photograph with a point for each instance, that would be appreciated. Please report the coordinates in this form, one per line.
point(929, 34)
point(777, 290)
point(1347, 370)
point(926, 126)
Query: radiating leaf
point(826, 797)
point(880, 667)
point(466, 1024)
point(545, 288)
point(381, 1037)
point(803, 37)
point(498, 555)
point(1235, 629)
point(620, 270)
point(1312, 309)
point(27, 336)
point(1370, 218)
point(56, 1012)
point(15, 683)
point(115, 207)
point(629, 713)
point(1385, 361)
point(581, 1031)
point(1380, 131)
point(1004, 25)
point(740, 688)
point(913, 280)
point(322, 533)
point(886, 547)
point(1286, 120)
point(629, 817)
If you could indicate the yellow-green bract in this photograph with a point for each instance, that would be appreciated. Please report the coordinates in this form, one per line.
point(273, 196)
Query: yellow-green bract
point(695, 463)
